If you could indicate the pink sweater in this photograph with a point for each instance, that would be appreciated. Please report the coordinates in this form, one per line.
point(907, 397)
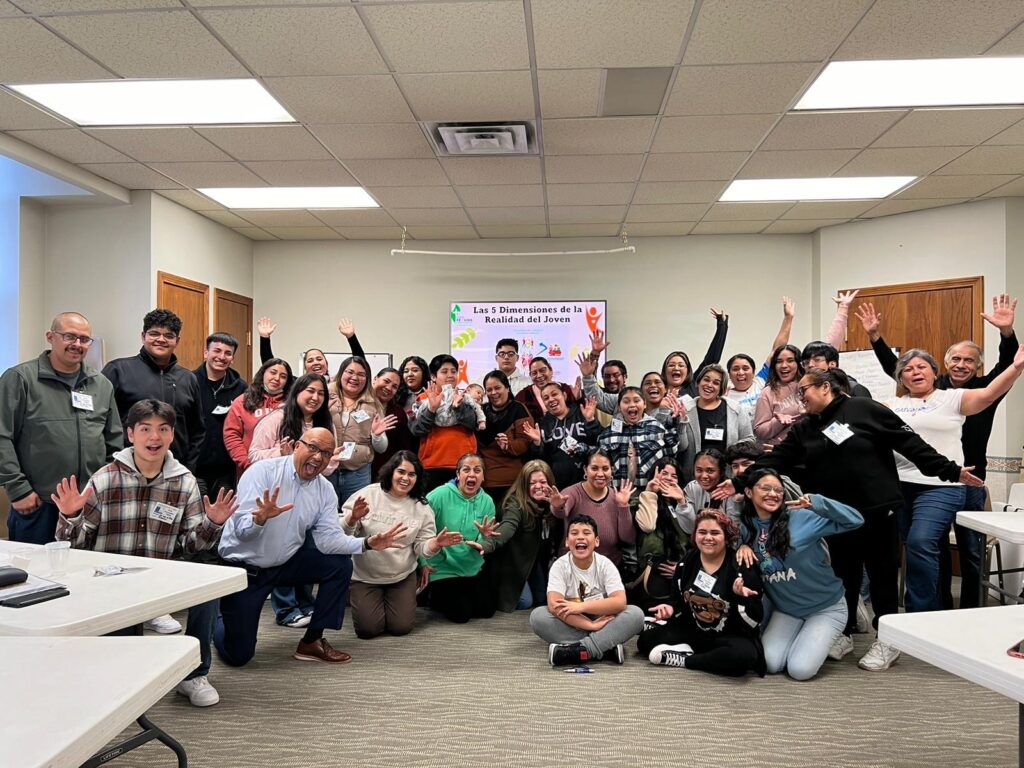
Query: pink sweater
point(240, 424)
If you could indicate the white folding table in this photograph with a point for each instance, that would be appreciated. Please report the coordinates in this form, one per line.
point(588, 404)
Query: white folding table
point(1005, 526)
point(969, 643)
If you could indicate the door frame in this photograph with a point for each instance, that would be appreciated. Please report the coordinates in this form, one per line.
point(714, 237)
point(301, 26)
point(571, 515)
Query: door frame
point(166, 278)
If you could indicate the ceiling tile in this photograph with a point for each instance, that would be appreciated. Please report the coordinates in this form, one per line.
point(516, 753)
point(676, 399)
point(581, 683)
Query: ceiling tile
point(953, 187)
point(305, 233)
point(587, 214)
point(590, 194)
point(487, 196)
point(303, 173)
point(474, 96)
point(435, 217)
point(737, 89)
point(569, 92)
point(598, 136)
point(800, 226)
point(847, 130)
point(224, 3)
point(889, 207)
point(209, 174)
point(739, 31)
point(6, 9)
point(655, 192)
point(279, 218)
point(581, 169)
point(227, 218)
point(71, 144)
point(160, 144)
point(266, 142)
point(1012, 135)
point(789, 164)
point(729, 227)
point(987, 159)
point(371, 233)
point(506, 216)
point(692, 166)
point(711, 134)
point(584, 230)
point(1013, 189)
point(609, 33)
point(1011, 45)
point(59, 6)
point(665, 213)
point(132, 175)
point(33, 54)
point(16, 114)
point(451, 37)
point(911, 29)
point(357, 217)
point(948, 127)
point(397, 173)
point(842, 209)
point(905, 161)
point(299, 41)
point(162, 44)
point(192, 200)
point(443, 233)
point(466, 171)
point(367, 140)
point(369, 99)
point(503, 231)
point(663, 229)
point(254, 234)
point(416, 197)
point(746, 211)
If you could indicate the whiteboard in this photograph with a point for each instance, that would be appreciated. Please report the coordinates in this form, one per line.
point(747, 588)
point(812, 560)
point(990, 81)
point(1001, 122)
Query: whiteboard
point(377, 360)
point(863, 366)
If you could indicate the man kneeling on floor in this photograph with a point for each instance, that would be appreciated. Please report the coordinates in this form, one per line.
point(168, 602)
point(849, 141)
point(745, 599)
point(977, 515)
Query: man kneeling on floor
point(280, 500)
point(146, 503)
point(586, 617)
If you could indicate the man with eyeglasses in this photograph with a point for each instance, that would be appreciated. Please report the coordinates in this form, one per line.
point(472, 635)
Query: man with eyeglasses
point(506, 355)
point(58, 417)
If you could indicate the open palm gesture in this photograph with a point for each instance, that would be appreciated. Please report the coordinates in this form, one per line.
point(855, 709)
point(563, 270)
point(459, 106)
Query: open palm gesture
point(221, 510)
point(67, 498)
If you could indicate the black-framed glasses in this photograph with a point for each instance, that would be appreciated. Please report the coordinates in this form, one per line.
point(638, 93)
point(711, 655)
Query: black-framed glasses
point(773, 490)
point(802, 390)
point(168, 335)
point(71, 338)
point(507, 355)
point(316, 450)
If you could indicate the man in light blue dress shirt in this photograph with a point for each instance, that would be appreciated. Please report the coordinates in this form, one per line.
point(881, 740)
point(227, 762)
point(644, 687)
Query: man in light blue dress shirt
point(280, 500)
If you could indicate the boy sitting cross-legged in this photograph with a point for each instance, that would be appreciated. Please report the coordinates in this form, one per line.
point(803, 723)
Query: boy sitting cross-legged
point(586, 617)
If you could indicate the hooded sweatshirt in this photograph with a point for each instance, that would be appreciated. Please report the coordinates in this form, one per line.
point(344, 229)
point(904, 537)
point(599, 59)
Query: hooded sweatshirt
point(455, 512)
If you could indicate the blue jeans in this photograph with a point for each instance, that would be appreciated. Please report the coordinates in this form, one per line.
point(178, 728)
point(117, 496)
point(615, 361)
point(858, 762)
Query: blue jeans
point(928, 512)
point(199, 625)
point(39, 527)
point(970, 546)
point(800, 646)
point(348, 481)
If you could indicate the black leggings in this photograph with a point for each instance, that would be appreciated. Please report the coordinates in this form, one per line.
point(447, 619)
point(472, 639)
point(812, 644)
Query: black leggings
point(465, 598)
point(730, 655)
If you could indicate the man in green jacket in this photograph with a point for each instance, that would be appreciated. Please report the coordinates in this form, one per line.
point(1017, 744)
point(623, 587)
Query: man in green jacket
point(58, 418)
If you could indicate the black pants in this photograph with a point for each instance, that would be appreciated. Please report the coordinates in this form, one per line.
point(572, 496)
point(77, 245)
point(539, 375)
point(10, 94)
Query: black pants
point(729, 655)
point(462, 599)
point(873, 547)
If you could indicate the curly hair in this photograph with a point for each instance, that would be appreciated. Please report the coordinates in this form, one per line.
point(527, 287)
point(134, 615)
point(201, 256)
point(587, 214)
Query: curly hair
point(729, 528)
point(162, 318)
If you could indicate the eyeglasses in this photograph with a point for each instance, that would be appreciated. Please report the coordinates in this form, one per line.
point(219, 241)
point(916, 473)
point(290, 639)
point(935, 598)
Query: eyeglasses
point(506, 355)
point(355, 374)
point(771, 490)
point(168, 335)
point(71, 338)
point(316, 450)
point(803, 390)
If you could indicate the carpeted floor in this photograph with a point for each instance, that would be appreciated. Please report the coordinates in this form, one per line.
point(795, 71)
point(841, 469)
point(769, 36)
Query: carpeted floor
point(483, 694)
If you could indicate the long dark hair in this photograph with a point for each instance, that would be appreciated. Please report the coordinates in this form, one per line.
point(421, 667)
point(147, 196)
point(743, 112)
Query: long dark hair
point(385, 475)
point(292, 425)
point(403, 390)
point(689, 369)
point(501, 378)
point(368, 381)
point(256, 393)
point(773, 376)
point(778, 530)
point(664, 522)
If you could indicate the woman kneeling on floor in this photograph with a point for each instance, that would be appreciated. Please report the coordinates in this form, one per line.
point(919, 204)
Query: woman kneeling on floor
point(713, 621)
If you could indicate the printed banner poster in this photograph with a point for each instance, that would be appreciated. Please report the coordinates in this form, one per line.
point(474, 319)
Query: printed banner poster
point(557, 330)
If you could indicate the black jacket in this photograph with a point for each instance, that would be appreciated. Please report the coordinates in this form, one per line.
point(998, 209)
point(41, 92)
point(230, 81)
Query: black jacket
point(214, 459)
point(139, 377)
point(861, 470)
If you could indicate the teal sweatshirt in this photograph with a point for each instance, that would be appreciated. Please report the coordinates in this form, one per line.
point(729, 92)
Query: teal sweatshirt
point(455, 512)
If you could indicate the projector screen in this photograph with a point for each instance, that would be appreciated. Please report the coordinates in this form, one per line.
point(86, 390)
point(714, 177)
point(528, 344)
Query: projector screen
point(557, 330)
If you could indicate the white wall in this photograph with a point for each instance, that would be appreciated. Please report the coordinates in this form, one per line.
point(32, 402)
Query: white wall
point(1014, 405)
point(658, 298)
point(32, 322)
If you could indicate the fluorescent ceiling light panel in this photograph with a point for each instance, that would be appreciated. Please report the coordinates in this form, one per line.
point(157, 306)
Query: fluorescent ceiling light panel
point(159, 102)
point(917, 83)
point(291, 197)
point(830, 188)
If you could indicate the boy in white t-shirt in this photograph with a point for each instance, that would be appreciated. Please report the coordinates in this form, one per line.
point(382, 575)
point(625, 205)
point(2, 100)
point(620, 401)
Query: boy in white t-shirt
point(586, 617)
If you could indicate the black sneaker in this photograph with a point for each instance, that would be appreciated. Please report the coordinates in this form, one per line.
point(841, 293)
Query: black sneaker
point(564, 654)
point(616, 654)
point(670, 655)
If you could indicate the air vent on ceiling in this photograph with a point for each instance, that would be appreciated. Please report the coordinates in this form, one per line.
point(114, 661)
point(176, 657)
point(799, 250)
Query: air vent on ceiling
point(507, 138)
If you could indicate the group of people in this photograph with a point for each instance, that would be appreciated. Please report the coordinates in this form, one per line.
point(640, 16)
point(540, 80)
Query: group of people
point(730, 517)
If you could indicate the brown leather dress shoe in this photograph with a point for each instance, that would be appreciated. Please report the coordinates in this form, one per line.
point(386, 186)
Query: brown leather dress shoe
point(321, 650)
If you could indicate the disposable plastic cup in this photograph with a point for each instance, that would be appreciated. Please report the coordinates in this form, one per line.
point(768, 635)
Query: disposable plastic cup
point(58, 552)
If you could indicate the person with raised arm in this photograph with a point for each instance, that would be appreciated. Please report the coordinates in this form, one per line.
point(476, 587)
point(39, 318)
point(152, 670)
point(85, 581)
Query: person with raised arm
point(677, 371)
point(565, 435)
point(313, 360)
point(744, 384)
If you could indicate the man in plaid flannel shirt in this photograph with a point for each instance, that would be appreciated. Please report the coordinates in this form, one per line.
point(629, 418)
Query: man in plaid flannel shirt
point(146, 503)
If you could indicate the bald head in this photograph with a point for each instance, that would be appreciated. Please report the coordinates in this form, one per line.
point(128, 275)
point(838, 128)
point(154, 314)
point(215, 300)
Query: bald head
point(313, 452)
point(63, 318)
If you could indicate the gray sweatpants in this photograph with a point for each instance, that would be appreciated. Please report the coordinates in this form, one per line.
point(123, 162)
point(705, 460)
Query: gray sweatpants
point(552, 629)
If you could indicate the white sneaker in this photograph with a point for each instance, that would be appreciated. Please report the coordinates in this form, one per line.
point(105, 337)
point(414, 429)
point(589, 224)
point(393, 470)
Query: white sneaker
point(300, 621)
point(199, 692)
point(670, 655)
point(880, 657)
point(863, 617)
point(841, 647)
point(163, 625)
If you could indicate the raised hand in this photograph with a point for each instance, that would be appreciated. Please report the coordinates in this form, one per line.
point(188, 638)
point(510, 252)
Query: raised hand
point(662, 611)
point(719, 314)
point(488, 528)
point(1003, 309)
point(742, 591)
point(446, 538)
point(265, 327)
point(723, 491)
point(389, 539)
point(598, 343)
point(360, 509)
point(843, 300)
point(801, 502)
point(557, 499)
point(869, 319)
point(267, 507)
point(67, 498)
point(286, 446)
point(382, 424)
point(577, 388)
point(788, 307)
point(624, 493)
point(587, 366)
point(675, 405)
point(433, 397)
point(346, 328)
point(588, 408)
point(532, 432)
point(221, 510)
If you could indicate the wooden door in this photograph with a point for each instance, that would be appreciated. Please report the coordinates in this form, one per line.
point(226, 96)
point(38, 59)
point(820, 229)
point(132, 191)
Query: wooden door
point(931, 315)
point(190, 301)
point(232, 313)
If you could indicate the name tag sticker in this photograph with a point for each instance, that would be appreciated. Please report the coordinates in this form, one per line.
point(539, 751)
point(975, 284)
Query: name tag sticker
point(714, 433)
point(81, 401)
point(838, 433)
point(220, 410)
point(347, 449)
point(164, 513)
point(704, 582)
point(360, 416)
point(617, 426)
point(569, 444)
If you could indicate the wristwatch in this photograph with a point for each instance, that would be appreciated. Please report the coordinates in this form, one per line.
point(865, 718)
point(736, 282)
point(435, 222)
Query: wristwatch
point(366, 544)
